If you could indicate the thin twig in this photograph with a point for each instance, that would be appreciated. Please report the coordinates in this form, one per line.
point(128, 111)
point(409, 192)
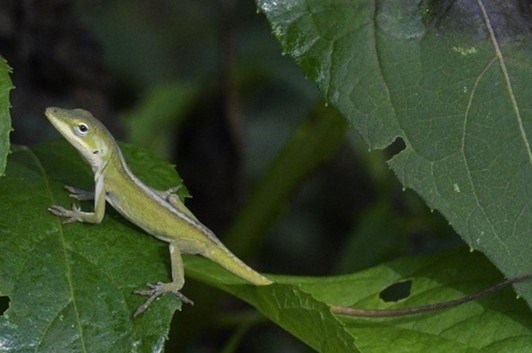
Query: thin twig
point(346, 311)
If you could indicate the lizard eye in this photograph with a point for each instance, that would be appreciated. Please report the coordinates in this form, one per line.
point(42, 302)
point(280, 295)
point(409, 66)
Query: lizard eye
point(82, 129)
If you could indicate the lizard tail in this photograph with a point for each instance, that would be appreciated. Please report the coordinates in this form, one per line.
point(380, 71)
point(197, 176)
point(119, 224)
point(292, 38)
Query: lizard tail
point(225, 258)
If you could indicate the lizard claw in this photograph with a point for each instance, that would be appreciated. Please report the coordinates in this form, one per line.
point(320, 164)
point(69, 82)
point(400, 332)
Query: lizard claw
point(73, 215)
point(155, 291)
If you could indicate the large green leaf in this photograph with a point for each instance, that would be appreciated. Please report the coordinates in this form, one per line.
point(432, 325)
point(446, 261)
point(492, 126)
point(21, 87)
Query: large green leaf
point(495, 324)
point(70, 285)
point(5, 121)
point(158, 114)
point(451, 79)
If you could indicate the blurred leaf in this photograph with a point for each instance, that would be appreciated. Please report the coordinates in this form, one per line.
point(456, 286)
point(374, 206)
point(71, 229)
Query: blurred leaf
point(5, 121)
point(380, 236)
point(449, 78)
point(148, 42)
point(318, 136)
point(157, 115)
point(234, 341)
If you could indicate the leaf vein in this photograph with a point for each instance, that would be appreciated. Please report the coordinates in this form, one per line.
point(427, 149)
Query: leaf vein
point(507, 80)
point(465, 159)
point(64, 250)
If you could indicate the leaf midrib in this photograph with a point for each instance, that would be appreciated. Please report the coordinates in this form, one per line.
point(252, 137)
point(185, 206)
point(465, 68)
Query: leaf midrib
point(68, 274)
point(507, 80)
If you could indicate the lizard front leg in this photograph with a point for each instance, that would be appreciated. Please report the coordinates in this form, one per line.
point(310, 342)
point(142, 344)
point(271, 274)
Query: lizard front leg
point(75, 214)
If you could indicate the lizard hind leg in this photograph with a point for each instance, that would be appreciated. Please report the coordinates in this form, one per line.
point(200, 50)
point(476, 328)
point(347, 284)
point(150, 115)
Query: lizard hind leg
point(178, 280)
point(174, 201)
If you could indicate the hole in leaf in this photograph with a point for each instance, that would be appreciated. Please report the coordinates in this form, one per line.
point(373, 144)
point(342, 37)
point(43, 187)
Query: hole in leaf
point(395, 147)
point(4, 304)
point(396, 291)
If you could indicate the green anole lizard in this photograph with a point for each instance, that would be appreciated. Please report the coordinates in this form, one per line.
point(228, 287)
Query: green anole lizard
point(163, 215)
point(159, 213)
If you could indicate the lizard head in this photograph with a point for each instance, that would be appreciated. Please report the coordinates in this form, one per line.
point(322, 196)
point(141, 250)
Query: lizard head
point(86, 133)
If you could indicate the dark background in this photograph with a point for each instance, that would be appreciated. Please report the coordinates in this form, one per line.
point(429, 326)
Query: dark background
point(204, 84)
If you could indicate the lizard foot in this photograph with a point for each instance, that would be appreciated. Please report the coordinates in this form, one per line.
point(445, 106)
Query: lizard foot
point(72, 215)
point(157, 290)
